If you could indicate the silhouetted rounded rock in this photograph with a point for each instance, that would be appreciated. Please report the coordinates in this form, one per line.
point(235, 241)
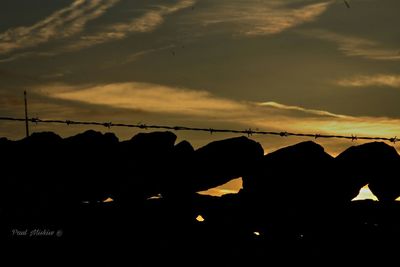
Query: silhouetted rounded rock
point(375, 164)
point(3, 141)
point(42, 138)
point(177, 180)
point(145, 164)
point(183, 148)
point(91, 137)
point(293, 176)
point(88, 165)
point(221, 161)
point(152, 141)
point(30, 173)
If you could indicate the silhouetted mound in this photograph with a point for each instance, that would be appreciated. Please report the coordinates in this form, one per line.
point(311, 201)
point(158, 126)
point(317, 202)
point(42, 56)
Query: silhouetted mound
point(221, 161)
point(375, 164)
point(91, 138)
point(183, 149)
point(145, 165)
point(177, 180)
point(88, 164)
point(294, 176)
point(28, 179)
point(42, 139)
point(3, 140)
point(164, 140)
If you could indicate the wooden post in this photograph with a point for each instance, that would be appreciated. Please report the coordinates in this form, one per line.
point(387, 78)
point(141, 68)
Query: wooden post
point(26, 115)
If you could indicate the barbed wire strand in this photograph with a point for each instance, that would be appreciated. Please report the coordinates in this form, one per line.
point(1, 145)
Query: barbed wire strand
point(248, 132)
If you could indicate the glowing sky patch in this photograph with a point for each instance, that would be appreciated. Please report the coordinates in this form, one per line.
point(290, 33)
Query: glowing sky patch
point(200, 218)
point(365, 193)
point(231, 187)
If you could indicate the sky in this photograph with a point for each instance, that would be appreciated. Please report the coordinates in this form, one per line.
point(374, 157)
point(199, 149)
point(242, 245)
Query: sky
point(307, 66)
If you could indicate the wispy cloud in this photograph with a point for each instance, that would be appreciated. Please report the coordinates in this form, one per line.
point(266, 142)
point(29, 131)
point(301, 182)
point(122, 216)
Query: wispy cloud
point(301, 109)
point(63, 23)
point(262, 17)
point(354, 46)
point(70, 22)
point(380, 80)
point(203, 106)
point(149, 97)
point(135, 56)
point(147, 22)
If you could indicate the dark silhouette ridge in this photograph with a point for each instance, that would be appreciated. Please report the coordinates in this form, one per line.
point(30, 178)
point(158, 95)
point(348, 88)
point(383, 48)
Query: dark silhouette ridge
point(41, 139)
point(91, 138)
point(3, 141)
point(144, 162)
point(88, 163)
point(293, 184)
point(179, 182)
point(221, 161)
point(296, 174)
point(295, 203)
point(36, 153)
point(375, 164)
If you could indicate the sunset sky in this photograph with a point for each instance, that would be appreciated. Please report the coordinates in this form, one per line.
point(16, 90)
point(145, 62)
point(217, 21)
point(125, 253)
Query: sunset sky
point(281, 65)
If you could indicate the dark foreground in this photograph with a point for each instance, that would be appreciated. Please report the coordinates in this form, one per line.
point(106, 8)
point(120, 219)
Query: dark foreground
point(295, 205)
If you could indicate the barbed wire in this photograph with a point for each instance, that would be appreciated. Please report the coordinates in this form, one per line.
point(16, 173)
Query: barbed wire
point(248, 132)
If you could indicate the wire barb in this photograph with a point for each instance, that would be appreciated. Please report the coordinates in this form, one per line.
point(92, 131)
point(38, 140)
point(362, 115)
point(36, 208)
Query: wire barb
point(35, 120)
point(143, 126)
point(249, 132)
point(107, 124)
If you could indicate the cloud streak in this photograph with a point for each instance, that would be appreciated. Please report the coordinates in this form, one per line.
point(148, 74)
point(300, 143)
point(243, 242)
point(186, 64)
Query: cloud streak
point(262, 17)
point(355, 46)
point(147, 22)
point(151, 98)
point(301, 109)
point(63, 23)
point(379, 80)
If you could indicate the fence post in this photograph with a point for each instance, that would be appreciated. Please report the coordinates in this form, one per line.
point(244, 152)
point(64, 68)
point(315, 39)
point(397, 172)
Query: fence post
point(26, 115)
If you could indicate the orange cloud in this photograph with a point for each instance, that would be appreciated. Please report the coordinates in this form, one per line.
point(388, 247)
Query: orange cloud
point(151, 98)
point(355, 46)
point(387, 80)
point(262, 18)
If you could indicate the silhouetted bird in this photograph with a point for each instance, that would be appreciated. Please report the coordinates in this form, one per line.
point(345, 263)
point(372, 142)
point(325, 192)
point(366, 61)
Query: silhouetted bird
point(346, 3)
